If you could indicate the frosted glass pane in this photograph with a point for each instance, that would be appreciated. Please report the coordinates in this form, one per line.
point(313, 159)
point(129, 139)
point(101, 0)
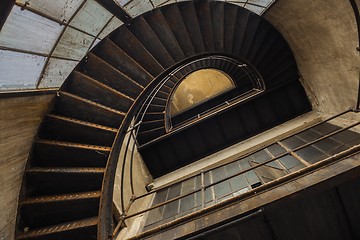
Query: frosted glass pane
point(58, 9)
point(158, 2)
point(137, 7)
point(91, 18)
point(166, 3)
point(73, 44)
point(113, 24)
point(56, 72)
point(28, 31)
point(239, 3)
point(255, 9)
point(122, 2)
point(264, 3)
point(19, 70)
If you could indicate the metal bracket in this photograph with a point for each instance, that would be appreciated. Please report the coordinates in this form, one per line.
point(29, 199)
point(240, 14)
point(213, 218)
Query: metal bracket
point(133, 127)
point(63, 22)
point(24, 6)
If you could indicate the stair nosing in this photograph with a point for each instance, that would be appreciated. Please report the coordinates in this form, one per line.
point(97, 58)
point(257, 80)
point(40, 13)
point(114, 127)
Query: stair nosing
point(60, 198)
point(156, 36)
point(87, 222)
point(113, 43)
point(80, 170)
point(84, 123)
point(91, 102)
point(151, 130)
point(74, 145)
point(118, 71)
point(104, 86)
point(146, 50)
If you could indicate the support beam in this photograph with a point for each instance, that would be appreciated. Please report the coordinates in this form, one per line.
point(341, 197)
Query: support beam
point(115, 9)
point(27, 93)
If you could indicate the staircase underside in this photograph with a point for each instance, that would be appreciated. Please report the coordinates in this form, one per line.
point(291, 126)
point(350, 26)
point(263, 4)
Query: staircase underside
point(67, 185)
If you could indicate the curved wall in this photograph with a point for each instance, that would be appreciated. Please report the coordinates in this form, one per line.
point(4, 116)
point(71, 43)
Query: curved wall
point(19, 120)
point(323, 37)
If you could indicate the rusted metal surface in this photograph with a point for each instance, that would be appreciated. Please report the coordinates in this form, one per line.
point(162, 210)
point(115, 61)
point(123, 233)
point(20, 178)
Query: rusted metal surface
point(91, 222)
point(66, 197)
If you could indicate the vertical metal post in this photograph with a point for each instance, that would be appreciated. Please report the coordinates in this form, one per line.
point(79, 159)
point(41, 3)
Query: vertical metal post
point(202, 189)
point(277, 160)
point(300, 159)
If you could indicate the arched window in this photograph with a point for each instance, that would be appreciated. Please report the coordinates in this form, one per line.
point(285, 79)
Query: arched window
point(198, 87)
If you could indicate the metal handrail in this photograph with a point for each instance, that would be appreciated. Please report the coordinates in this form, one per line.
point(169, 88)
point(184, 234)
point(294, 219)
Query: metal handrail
point(257, 81)
point(241, 172)
point(137, 123)
point(138, 119)
point(246, 155)
point(135, 128)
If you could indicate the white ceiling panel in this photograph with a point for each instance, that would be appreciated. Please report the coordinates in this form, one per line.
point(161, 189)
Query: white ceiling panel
point(138, 7)
point(19, 70)
point(56, 72)
point(122, 2)
point(113, 24)
point(264, 3)
point(255, 9)
point(28, 31)
point(91, 18)
point(168, 2)
point(73, 44)
point(158, 2)
point(59, 9)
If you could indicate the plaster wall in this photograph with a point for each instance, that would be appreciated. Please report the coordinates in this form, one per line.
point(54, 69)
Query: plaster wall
point(19, 120)
point(141, 177)
point(323, 37)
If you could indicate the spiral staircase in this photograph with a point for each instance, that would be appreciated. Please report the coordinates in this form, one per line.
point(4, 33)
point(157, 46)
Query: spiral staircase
point(63, 184)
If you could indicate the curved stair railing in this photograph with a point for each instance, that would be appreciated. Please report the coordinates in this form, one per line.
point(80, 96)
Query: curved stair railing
point(67, 191)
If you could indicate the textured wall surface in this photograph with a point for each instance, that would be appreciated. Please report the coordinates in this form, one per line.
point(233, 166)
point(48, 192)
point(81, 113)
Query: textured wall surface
point(19, 120)
point(323, 37)
point(141, 177)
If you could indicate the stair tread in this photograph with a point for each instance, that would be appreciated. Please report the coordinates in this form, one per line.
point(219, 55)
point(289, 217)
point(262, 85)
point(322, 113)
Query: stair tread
point(116, 70)
point(160, 27)
point(88, 222)
point(151, 42)
point(64, 170)
point(190, 19)
point(91, 102)
point(133, 48)
point(75, 145)
point(80, 122)
point(153, 121)
point(174, 20)
point(104, 86)
point(121, 60)
point(151, 130)
point(62, 197)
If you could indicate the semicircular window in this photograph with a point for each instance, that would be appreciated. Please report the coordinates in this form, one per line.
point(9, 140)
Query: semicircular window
point(199, 87)
point(208, 86)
